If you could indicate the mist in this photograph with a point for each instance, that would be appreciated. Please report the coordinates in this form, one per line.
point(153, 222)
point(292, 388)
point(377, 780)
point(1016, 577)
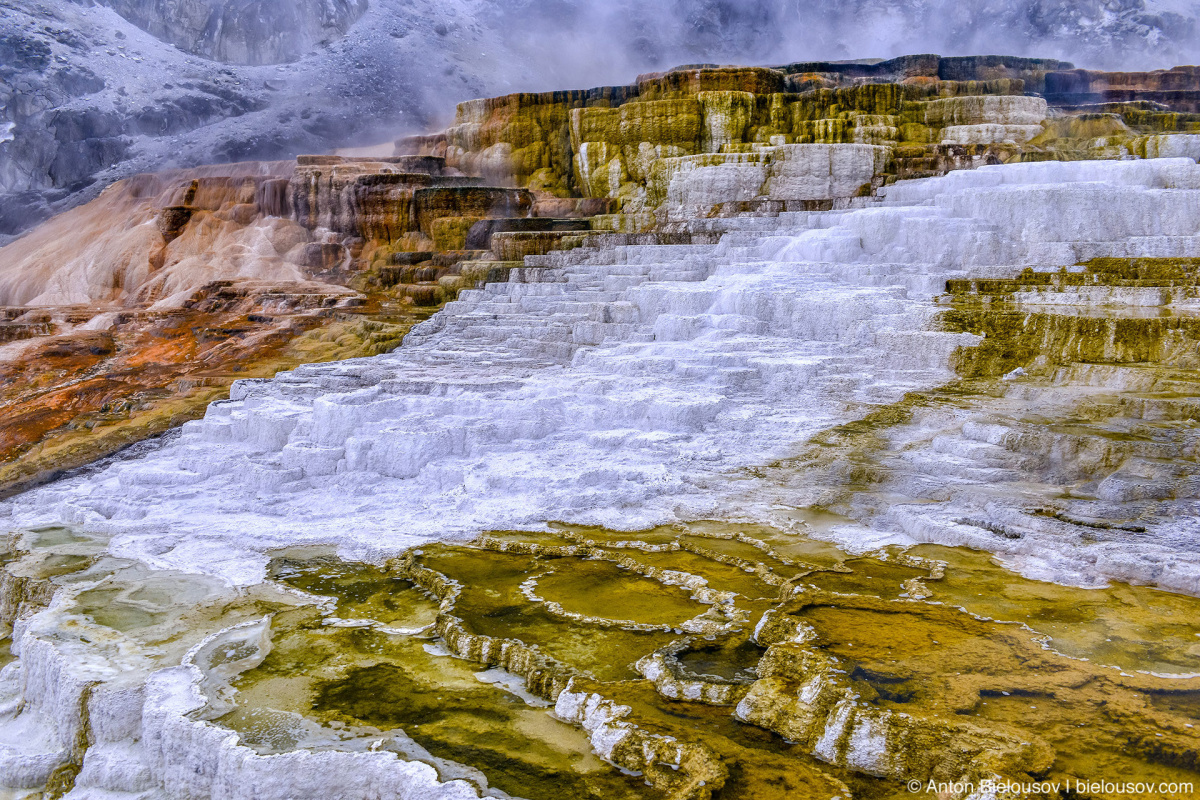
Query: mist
point(93, 92)
point(588, 42)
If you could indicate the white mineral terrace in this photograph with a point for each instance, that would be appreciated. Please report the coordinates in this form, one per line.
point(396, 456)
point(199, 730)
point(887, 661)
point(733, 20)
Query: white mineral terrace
point(628, 386)
point(622, 387)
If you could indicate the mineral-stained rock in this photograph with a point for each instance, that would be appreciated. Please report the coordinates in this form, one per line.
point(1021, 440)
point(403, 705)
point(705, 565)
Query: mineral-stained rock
point(467, 201)
point(410, 258)
point(171, 221)
point(960, 68)
point(804, 697)
point(322, 256)
point(200, 273)
point(985, 109)
point(683, 82)
point(936, 114)
point(784, 286)
point(403, 202)
point(1179, 145)
point(355, 197)
point(480, 235)
point(82, 256)
point(1177, 88)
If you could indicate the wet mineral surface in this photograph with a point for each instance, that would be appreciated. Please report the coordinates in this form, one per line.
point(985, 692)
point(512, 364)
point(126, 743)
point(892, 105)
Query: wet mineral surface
point(708, 660)
point(740, 662)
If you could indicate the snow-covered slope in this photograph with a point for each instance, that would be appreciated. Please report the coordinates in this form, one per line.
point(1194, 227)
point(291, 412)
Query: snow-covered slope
point(232, 31)
point(88, 95)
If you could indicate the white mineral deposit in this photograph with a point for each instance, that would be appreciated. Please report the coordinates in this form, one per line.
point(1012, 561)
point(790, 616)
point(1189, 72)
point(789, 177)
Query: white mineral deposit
point(824, 430)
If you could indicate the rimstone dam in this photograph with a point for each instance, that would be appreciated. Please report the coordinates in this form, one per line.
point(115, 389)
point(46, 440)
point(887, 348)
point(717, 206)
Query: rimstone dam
point(821, 431)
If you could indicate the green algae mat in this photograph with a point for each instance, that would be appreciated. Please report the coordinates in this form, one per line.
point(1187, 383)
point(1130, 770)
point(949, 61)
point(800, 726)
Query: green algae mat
point(731, 662)
point(708, 660)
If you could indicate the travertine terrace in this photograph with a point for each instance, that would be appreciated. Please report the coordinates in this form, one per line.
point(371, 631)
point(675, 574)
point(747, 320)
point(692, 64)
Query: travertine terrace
point(797, 431)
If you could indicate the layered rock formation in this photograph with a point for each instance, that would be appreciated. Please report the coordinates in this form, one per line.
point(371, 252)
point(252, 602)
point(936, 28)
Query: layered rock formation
point(139, 308)
point(715, 295)
point(83, 101)
point(661, 146)
point(822, 312)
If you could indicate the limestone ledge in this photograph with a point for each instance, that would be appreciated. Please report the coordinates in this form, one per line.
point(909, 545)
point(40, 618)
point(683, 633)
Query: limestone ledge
point(933, 114)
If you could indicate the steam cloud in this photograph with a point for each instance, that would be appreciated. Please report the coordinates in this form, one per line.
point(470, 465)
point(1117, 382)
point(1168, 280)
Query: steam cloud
point(609, 41)
point(92, 92)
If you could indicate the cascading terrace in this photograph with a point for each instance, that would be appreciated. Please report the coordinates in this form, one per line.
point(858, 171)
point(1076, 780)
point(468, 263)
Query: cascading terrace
point(703, 405)
point(620, 385)
point(691, 661)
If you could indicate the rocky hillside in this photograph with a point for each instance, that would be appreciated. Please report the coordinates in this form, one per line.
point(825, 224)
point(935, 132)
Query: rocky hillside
point(127, 315)
point(215, 269)
point(771, 426)
point(236, 32)
point(90, 93)
point(709, 140)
